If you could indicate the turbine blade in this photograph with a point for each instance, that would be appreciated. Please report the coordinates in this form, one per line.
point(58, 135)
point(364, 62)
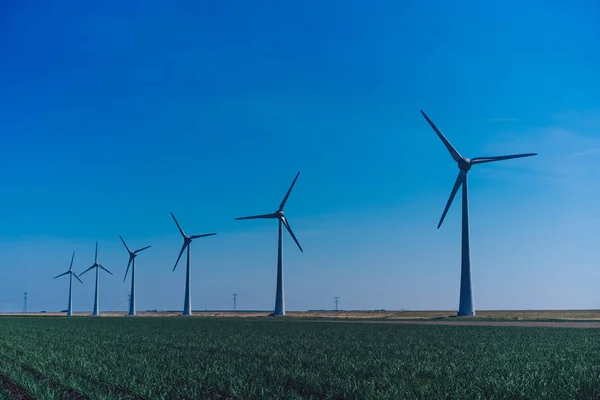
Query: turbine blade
point(179, 226)
point(263, 216)
point(481, 160)
point(101, 266)
point(58, 276)
point(127, 247)
point(204, 235)
point(87, 270)
point(143, 248)
point(459, 180)
point(96, 256)
point(71, 266)
point(127, 270)
point(288, 192)
point(287, 225)
point(455, 155)
point(180, 253)
point(75, 275)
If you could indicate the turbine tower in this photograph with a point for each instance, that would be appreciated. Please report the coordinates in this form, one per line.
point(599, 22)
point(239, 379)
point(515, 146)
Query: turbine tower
point(279, 215)
point(132, 256)
point(96, 265)
point(187, 242)
point(71, 274)
point(465, 307)
point(234, 301)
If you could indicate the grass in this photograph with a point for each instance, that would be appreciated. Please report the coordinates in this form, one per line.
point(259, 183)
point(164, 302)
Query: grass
point(200, 358)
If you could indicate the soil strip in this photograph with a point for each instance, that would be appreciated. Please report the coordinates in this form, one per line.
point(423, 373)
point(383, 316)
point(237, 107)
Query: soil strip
point(15, 391)
point(530, 324)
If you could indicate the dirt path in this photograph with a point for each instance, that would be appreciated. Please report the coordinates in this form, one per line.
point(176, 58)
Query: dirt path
point(538, 324)
point(14, 391)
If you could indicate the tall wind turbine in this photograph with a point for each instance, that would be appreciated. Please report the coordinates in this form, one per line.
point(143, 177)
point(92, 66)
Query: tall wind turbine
point(187, 243)
point(96, 265)
point(71, 274)
point(279, 215)
point(132, 256)
point(465, 307)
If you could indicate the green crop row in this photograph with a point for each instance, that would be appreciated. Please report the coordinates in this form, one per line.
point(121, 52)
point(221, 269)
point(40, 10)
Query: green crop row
point(197, 358)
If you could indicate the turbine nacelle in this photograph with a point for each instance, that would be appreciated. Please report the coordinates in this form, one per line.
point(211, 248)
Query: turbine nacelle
point(132, 256)
point(70, 271)
point(279, 214)
point(96, 264)
point(464, 164)
point(187, 240)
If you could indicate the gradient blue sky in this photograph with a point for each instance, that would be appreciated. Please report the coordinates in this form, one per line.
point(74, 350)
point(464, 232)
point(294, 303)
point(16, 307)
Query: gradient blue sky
point(114, 113)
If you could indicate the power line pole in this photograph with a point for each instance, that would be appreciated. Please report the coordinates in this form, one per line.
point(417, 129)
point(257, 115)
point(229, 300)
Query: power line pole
point(337, 300)
point(25, 303)
point(234, 301)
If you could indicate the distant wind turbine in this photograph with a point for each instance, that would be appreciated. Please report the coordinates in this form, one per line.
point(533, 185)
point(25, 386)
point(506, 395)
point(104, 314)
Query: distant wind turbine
point(279, 215)
point(465, 307)
point(96, 265)
point(132, 256)
point(71, 274)
point(187, 241)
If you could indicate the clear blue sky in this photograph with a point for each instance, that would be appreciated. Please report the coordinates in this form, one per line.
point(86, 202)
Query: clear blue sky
point(112, 114)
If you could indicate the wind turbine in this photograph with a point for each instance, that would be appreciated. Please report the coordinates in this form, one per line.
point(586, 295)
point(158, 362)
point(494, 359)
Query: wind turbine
point(96, 265)
point(71, 274)
point(132, 256)
point(465, 307)
point(279, 215)
point(187, 242)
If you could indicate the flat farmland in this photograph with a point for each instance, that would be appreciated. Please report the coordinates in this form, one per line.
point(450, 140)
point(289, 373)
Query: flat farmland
point(525, 315)
point(253, 358)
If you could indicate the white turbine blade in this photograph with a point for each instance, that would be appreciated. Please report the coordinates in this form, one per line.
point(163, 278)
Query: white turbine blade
point(101, 266)
point(288, 192)
point(178, 226)
point(455, 155)
point(87, 270)
point(127, 247)
point(180, 253)
point(58, 276)
point(96, 256)
point(204, 235)
point(75, 275)
point(481, 160)
point(287, 226)
point(72, 258)
point(143, 248)
point(459, 181)
point(127, 270)
point(263, 216)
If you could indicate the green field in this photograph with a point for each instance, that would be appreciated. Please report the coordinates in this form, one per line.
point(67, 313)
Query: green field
point(221, 358)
